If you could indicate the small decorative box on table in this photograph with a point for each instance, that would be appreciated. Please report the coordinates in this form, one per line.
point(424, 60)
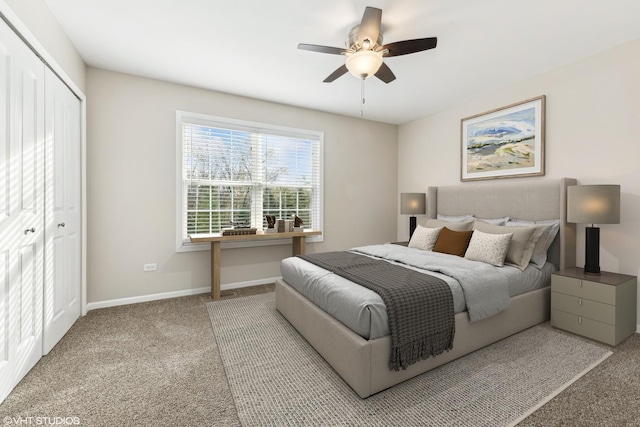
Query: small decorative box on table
point(239, 231)
point(601, 307)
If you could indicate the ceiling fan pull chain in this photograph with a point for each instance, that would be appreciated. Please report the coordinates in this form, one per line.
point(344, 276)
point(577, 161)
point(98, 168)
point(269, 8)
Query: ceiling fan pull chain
point(362, 97)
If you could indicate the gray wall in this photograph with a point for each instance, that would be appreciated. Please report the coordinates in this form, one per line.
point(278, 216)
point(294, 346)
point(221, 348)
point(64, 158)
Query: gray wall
point(593, 113)
point(131, 169)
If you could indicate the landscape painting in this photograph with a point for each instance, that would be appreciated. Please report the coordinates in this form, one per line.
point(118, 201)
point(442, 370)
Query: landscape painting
point(504, 143)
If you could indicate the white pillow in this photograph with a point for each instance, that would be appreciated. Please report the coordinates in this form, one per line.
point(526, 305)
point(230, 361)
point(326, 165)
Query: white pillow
point(539, 256)
point(489, 248)
point(424, 238)
point(495, 221)
point(454, 218)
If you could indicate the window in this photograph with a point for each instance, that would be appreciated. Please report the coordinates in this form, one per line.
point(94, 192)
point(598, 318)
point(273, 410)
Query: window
point(235, 172)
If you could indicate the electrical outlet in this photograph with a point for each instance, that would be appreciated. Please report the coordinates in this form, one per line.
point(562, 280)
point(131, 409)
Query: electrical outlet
point(151, 267)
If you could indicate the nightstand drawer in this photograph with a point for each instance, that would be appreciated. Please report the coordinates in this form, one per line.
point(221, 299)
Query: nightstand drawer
point(584, 289)
point(584, 326)
point(584, 307)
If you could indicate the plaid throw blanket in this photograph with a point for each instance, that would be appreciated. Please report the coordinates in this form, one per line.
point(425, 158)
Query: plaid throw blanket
point(419, 306)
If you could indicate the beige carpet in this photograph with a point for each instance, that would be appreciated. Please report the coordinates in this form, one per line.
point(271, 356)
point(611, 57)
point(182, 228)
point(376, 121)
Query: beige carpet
point(151, 364)
point(134, 389)
point(276, 378)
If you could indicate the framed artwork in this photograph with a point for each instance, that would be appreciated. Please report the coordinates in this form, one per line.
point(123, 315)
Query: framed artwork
point(506, 142)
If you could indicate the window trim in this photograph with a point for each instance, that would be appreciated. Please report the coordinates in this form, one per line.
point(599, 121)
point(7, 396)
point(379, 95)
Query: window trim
point(267, 128)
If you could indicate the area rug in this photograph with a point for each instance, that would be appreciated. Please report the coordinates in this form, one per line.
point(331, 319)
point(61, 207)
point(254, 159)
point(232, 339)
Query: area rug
point(277, 378)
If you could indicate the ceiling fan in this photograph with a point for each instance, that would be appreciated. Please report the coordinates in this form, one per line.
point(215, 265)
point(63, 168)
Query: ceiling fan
point(365, 51)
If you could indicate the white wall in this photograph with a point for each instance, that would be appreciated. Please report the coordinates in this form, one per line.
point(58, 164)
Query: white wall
point(43, 25)
point(132, 191)
point(592, 128)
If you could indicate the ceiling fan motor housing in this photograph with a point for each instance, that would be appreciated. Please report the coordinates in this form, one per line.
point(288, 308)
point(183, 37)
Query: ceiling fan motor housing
point(352, 41)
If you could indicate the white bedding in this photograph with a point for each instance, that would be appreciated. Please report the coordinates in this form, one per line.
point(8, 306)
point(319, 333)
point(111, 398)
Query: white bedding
point(364, 312)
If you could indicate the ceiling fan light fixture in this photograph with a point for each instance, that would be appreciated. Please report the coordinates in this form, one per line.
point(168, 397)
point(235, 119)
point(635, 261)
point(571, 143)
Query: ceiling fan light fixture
point(365, 51)
point(364, 63)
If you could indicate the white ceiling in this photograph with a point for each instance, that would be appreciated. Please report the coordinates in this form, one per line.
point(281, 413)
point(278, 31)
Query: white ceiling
point(249, 47)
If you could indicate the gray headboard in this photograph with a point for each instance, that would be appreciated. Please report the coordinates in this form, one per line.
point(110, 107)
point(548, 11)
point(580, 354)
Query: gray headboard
point(530, 200)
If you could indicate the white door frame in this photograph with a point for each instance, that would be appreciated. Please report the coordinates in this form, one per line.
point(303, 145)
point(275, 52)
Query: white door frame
point(28, 37)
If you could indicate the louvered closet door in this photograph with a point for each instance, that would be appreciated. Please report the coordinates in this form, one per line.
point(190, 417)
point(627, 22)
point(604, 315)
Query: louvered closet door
point(62, 212)
point(21, 209)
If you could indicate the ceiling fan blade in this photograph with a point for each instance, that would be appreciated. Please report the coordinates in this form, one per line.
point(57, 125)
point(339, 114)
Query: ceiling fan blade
point(337, 73)
point(370, 26)
point(385, 74)
point(321, 49)
point(410, 46)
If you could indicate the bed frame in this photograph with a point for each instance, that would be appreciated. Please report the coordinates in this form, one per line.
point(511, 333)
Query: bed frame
point(364, 364)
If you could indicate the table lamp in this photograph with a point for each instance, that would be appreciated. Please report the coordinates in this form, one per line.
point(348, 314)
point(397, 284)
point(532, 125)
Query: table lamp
point(413, 204)
point(593, 204)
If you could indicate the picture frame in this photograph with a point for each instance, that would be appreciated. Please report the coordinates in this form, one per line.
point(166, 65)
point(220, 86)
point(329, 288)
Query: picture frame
point(507, 142)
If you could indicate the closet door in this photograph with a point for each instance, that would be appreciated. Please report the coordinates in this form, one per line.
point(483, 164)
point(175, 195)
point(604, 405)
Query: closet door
point(62, 211)
point(21, 209)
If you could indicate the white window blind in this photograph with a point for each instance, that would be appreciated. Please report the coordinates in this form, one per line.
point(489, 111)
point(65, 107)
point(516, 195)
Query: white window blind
point(234, 172)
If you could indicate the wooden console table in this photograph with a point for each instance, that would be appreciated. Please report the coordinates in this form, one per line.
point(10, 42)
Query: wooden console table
point(298, 248)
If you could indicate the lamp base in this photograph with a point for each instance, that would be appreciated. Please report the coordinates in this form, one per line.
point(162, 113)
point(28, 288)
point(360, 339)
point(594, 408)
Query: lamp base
point(592, 250)
point(412, 225)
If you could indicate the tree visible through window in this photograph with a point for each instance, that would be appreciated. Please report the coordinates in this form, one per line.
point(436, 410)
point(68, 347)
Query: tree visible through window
point(237, 172)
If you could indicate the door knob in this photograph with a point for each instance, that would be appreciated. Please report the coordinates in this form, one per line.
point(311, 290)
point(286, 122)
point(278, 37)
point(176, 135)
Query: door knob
point(30, 230)
point(62, 224)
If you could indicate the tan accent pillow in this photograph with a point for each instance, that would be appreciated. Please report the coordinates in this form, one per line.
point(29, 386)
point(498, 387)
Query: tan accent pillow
point(455, 226)
point(489, 248)
point(522, 243)
point(452, 242)
point(424, 238)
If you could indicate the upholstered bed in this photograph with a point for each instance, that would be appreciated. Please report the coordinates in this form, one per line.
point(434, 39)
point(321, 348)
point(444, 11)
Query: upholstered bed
point(364, 363)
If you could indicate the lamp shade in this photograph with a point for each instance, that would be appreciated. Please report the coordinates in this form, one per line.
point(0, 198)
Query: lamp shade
point(413, 203)
point(593, 204)
point(364, 63)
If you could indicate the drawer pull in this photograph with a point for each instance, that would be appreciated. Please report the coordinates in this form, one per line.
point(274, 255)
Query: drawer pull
point(580, 320)
point(580, 303)
point(580, 283)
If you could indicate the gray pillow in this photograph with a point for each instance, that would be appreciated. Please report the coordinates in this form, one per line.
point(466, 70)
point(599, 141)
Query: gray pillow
point(522, 243)
point(539, 256)
point(455, 218)
point(455, 226)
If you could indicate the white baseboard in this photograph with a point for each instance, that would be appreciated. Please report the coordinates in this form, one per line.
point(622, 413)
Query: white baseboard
point(176, 294)
point(248, 283)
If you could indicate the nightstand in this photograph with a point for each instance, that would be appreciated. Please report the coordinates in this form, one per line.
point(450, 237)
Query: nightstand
point(601, 307)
